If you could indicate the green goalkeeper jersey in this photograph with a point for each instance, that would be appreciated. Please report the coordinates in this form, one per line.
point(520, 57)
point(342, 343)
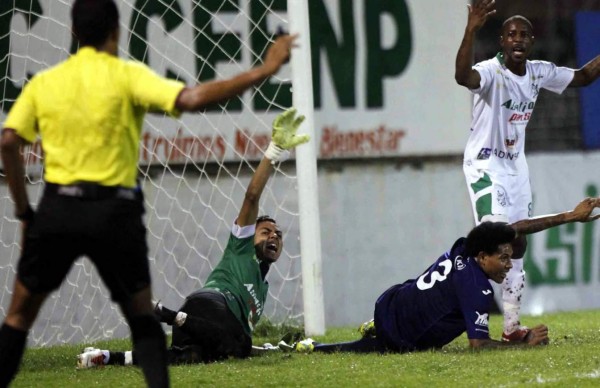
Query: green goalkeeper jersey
point(238, 277)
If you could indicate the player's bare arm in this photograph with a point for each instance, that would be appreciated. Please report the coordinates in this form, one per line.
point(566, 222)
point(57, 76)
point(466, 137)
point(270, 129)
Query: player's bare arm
point(200, 96)
point(536, 336)
point(279, 53)
point(249, 210)
point(283, 138)
point(587, 74)
point(10, 146)
point(478, 15)
point(581, 213)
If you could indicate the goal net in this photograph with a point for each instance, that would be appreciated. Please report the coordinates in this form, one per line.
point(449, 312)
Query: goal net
point(194, 170)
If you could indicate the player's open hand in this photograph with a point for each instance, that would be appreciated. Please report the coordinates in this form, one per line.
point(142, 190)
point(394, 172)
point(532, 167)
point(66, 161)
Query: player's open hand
point(538, 336)
point(285, 126)
point(279, 52)
point(584, 209)
point(479, 13)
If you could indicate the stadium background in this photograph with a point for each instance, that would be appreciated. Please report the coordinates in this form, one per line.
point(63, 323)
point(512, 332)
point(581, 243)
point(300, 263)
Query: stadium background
point(391, 125)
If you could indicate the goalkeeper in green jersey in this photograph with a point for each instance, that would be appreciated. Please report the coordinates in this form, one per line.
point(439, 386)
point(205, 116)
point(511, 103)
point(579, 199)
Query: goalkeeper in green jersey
point(87, 112)
point(216, 322)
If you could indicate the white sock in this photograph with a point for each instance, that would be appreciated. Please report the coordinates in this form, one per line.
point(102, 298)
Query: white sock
point(128, 357)
point(512, 291)
point(180, 319)
point(106, 356)
point(511, 317)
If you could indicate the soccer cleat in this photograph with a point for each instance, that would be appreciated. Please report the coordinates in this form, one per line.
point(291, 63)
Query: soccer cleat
point(264, 349)
point(289, 338)
point(305, 346)
point(157, 308)
point(518, 335)
point(367, 329)
point(163, 314)
point(90, 357)
point(285, 347)
point(293, 336)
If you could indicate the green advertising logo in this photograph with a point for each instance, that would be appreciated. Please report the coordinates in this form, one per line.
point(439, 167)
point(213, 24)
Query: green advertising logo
point(573, 243)
point(341, 52)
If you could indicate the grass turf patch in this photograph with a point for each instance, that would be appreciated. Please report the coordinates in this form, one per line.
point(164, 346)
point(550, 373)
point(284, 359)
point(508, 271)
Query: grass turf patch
point(572, 358)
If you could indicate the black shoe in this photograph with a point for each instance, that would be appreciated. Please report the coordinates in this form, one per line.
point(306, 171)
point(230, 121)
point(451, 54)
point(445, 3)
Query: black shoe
point(163, 314)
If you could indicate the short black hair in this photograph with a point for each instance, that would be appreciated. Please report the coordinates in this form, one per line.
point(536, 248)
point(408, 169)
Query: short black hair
point(264, 218)
point(515, 18)
point(94, 20)
point(487, 236)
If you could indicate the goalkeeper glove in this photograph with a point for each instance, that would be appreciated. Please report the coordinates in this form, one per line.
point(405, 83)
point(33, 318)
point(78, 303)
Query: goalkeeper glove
point(284, 135)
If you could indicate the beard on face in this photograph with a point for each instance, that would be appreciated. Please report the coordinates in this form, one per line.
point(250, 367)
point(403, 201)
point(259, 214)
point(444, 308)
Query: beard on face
point(265, 254)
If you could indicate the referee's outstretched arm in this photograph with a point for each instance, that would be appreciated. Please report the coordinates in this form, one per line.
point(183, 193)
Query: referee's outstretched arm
point(202, 95)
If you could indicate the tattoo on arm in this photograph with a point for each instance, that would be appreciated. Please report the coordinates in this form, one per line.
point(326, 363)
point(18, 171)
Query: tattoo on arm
point(534, 225)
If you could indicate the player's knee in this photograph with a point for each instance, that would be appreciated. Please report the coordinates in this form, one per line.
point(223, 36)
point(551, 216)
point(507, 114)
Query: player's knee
point(519, 247)
point(517, 267)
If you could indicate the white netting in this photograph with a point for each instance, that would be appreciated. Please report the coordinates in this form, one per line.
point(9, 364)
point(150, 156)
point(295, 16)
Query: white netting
point(194, 170)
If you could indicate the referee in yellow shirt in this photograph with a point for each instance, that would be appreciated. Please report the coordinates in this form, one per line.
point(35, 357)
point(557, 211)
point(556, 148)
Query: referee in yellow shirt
point(88, 112)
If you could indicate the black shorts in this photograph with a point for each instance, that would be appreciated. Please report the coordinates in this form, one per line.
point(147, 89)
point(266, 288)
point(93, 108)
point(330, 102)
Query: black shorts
point(108, 229)
point(211, 331)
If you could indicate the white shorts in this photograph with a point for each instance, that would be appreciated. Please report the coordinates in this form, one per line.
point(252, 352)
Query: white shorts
point(497, 196)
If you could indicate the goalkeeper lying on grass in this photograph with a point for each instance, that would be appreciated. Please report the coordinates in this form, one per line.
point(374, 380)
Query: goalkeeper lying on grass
point(216, 322)
point(453, 295)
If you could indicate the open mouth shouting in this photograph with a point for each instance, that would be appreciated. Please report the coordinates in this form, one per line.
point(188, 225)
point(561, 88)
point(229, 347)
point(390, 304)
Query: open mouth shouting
point(272, 246)
point(519, 51)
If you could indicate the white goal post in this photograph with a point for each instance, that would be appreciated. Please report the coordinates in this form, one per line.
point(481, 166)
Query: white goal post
point(194, 171)
point(310, 230)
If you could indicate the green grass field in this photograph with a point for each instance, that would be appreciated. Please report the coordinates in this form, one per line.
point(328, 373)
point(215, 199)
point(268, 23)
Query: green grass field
point(571, 359)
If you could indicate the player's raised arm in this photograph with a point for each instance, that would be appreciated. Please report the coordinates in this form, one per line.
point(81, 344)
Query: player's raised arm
point(283, 138)
point(198, 97)
point(581, 213)
point(478, 15)
point(587, 74)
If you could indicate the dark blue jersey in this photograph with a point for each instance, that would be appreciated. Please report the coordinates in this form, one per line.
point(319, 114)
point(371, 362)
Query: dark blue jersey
point(452, 296)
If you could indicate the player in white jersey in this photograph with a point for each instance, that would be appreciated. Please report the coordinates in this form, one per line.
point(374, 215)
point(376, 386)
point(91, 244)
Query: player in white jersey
point(505, 91)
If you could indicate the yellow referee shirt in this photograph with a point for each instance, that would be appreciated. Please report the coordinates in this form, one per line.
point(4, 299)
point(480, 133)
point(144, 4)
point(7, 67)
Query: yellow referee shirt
point(88, 111)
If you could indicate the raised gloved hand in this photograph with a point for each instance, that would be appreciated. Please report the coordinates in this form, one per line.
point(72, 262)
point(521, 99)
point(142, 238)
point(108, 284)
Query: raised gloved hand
point(284, 136)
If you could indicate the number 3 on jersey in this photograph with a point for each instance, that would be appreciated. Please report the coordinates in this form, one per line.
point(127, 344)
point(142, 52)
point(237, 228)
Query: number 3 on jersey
point(437, 274)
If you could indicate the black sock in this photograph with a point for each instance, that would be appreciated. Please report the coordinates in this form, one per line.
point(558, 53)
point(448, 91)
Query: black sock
point(363, 345)
point(12, 346)
point(150, 347)
point(116, 358)
point(166, 315)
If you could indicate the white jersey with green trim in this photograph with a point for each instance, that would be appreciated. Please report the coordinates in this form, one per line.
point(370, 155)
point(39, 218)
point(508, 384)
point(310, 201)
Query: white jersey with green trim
point(502, 107)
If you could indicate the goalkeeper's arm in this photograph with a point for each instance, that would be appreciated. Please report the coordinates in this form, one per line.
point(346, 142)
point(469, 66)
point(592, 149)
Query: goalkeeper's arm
point(283, 138)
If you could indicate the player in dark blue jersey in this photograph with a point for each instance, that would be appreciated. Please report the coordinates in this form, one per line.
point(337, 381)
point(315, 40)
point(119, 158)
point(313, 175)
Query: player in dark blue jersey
point(454, 294)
